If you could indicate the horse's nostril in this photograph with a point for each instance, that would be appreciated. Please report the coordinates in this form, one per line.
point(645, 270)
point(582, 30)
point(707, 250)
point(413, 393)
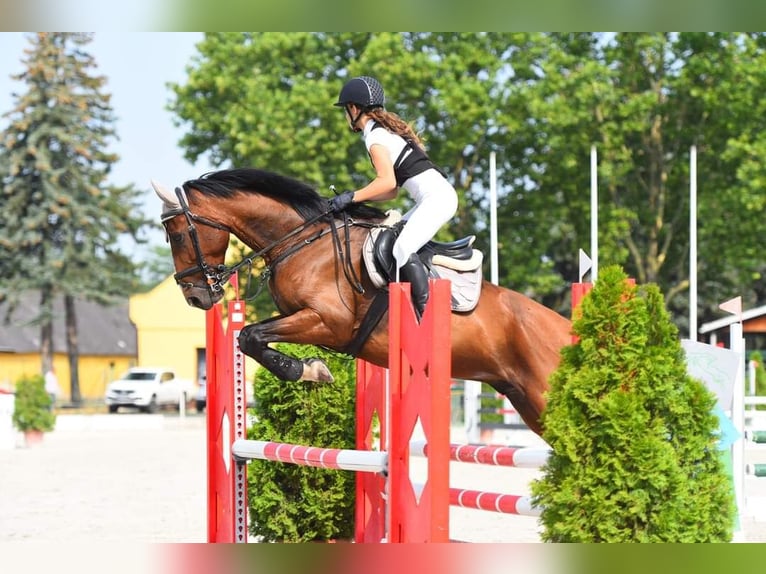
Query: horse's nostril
point(194, 302)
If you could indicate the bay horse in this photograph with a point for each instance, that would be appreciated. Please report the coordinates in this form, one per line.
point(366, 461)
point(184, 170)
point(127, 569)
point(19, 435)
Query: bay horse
point(323, 291)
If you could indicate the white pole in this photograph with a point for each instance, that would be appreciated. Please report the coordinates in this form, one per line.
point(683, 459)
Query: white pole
point(693, 244)
point(737, 344)
point(471, 403)
point(493, 218)
point(472, 417)
point(593, 213)
point(507, 417)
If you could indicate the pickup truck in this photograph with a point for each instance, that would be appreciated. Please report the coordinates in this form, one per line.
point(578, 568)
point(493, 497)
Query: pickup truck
point(148, 389)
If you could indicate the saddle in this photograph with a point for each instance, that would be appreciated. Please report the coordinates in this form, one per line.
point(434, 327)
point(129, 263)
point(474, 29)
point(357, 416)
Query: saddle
point(456, 260)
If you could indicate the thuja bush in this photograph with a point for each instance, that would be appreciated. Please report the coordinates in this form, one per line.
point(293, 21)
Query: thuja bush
point(290, 503)
point(32, 405)
point(634, 437)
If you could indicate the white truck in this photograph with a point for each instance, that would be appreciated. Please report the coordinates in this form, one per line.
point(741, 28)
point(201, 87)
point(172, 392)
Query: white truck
point(148, 389)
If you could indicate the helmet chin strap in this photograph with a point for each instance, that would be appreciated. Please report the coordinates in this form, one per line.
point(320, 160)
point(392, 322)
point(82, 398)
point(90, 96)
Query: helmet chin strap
point(354, 127)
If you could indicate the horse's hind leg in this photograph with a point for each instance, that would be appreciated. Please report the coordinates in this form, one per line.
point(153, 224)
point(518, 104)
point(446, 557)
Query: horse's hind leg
point(528, 408)
point(254, 341)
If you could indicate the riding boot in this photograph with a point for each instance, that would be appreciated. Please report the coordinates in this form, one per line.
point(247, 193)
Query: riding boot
point(414, 272)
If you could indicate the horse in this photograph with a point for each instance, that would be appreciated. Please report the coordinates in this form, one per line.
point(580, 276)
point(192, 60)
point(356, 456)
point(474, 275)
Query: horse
point(323, 292)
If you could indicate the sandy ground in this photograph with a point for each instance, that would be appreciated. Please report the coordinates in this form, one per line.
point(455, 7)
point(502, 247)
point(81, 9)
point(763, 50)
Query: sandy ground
point(137, 478)
point(142, 479)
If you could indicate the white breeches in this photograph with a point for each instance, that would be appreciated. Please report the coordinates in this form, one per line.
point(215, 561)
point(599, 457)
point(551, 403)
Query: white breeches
point(436, 205)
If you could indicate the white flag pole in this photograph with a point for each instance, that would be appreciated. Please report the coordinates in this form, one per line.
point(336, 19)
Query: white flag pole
point(693, 244)
point(594, 213)
point(472, 389)
point(508, 417)
point(493, 218)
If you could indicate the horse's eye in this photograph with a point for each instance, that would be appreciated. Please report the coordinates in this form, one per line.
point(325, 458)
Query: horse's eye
point(176, 237)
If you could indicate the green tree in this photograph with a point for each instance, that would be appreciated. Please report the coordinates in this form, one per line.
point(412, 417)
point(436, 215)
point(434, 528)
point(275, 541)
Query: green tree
point(265, 99)
point(290, 503)
point(643, 100)
point(539, 101)
point(634, 437)
point(67, 219)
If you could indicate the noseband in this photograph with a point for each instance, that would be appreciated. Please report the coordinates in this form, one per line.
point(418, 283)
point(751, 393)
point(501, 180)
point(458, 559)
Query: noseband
point(215, 276)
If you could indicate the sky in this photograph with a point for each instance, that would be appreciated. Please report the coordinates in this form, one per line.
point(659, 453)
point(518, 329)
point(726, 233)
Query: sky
point(137, 66)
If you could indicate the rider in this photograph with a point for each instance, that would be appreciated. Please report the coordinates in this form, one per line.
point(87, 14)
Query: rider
point(399, 160)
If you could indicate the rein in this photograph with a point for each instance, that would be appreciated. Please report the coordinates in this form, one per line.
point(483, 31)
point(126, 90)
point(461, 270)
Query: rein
point(217, 275)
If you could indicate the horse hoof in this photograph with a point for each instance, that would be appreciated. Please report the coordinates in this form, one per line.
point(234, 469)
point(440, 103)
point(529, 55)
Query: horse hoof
point(316, 370)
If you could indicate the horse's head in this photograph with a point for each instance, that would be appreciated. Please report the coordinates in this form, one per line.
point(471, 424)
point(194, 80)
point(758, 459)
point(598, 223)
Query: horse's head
point(198, 243)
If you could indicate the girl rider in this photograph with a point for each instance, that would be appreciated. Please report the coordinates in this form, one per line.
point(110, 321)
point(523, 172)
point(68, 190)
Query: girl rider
point(399, 160)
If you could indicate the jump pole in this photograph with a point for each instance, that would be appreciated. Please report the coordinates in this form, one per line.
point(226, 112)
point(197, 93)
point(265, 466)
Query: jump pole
point(371, 407)
point(416, 387)
point(227, 434)
point(420, 368)
point(226, 422)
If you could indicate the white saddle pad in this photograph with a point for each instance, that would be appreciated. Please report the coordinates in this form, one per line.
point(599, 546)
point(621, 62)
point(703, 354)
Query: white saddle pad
point(465, 276)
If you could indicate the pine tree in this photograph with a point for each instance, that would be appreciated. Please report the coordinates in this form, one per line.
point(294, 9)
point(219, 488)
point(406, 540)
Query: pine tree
point(634, 437)
point(63, 219)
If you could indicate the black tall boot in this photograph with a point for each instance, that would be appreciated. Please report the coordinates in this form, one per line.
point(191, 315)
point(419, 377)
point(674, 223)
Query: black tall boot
point(414, 272)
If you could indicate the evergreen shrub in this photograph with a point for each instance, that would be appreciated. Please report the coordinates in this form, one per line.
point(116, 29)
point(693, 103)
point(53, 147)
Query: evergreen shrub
point(634, 437)
point(32, 405)
point(291, 503)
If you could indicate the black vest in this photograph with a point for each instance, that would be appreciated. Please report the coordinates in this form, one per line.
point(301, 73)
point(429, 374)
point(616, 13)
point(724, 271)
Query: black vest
point(409, 165)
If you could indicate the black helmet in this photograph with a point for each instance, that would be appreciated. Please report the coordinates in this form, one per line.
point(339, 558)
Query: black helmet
point(364, 91)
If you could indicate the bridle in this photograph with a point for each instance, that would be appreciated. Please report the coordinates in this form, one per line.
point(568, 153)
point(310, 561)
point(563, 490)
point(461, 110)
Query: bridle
point(216, 276)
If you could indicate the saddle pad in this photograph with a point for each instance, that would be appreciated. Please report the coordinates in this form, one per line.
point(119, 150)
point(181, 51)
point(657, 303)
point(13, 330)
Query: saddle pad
point(369, 258)
point(465, 284)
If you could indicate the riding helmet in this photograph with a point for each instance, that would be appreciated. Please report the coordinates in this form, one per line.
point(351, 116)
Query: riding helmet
point(364, 91)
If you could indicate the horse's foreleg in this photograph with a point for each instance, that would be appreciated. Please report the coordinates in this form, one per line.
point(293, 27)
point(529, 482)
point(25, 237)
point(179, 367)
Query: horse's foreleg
point(303, 327)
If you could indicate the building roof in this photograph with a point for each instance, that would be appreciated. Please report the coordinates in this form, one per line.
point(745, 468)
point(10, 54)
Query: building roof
point(729, 319)
point(101, 329)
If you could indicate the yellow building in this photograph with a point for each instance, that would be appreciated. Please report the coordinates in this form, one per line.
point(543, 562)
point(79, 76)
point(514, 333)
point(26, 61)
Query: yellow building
point(153, 329)
point(106, 341)
point(170, 332)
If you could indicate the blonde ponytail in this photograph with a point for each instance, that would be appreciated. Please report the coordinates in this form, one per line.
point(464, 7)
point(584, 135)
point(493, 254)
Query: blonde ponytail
point(395, 124)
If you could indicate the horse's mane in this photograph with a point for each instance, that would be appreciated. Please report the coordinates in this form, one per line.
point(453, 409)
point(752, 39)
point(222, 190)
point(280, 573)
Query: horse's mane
point(300, 196)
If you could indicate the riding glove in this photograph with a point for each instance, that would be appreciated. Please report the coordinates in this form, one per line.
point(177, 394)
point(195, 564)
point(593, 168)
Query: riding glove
point(342, 201)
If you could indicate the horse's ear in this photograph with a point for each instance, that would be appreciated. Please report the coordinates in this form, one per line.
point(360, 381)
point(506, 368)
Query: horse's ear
point(167, 197)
